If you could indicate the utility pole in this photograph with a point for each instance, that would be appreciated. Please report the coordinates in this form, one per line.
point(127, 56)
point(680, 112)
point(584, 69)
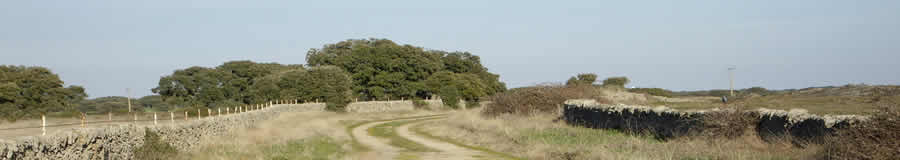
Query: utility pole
point(731, 79)
point(128, 96)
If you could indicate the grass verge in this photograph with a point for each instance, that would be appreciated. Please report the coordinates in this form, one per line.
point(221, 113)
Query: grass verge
point(418, 130)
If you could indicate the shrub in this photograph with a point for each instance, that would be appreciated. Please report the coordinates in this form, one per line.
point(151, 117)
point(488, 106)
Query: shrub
point(877, 138)
point(450, 96)
point(727, 124)
point(652, 91)
point(473, 104)
point(545, 99)
point(419, 103)
point(616, 81)
point(154, 148)
point(582, 79)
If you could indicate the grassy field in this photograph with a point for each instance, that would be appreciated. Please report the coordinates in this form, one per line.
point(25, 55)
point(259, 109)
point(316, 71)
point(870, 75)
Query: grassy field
point(538, 137)
point(860, 100)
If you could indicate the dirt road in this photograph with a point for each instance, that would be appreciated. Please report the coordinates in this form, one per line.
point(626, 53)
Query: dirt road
point(382, 148)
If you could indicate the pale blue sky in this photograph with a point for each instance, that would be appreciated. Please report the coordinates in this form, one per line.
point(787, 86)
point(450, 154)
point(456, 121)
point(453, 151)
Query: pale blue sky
point(108, 46)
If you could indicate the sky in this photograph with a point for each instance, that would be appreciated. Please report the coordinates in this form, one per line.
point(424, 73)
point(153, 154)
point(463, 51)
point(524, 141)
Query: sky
point(110, 45)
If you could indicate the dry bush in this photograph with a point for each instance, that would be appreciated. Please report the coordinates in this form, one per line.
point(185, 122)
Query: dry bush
point(878, 138)
point(727, 124)
point(154, 148)
point(540, 99)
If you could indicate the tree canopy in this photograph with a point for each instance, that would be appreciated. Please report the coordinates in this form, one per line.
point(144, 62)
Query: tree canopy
point(582, 79)
point(381, 69)
point(33, 91)
point(616, 82)
point(245, 82)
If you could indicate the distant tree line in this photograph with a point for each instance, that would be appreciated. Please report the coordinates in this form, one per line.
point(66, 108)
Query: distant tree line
point(364, 69)
point(244, 82)
point(27, 92)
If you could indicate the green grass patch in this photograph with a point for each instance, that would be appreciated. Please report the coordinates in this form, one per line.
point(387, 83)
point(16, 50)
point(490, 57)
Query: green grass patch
point(387, 131)
point(418, 130)
point(314, 148)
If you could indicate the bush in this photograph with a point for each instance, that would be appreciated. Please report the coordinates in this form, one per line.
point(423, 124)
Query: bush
point(877, 138)
point(616, 81)
point(542, 99)
point(472, 104)
point(154, 148)
point(419, 103)
point(582, 79)
point(729, 124)
point(450, 96)
point(652, 91)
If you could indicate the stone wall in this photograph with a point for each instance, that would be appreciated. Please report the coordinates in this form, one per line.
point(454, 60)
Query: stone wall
point(119, 142)
point(668, 123)
point(390, 106)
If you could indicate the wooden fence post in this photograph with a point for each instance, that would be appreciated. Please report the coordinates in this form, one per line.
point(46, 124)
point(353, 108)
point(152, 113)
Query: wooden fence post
point(208, 113)
point(185, 116)
point(198, 114)
point(43, 124)
point(82, 119)
point(172, 115)
point(218, 111)
point(110, 116)
point(135, 116)
point(154, 118)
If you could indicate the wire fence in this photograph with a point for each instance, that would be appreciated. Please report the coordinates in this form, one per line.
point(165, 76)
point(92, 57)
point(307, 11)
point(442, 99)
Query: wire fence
point(84, 120)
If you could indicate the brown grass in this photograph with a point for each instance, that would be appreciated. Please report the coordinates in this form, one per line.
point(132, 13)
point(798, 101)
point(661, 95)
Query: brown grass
point(538, 137)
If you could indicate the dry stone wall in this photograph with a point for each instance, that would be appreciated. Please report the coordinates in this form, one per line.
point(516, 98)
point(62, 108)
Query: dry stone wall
point(667, 123)
point(119, 142)
point(390, 106)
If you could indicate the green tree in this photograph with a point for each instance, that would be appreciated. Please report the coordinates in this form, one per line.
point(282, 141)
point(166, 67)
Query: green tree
point(582, 79)
point(381, 69)
point(616, 82)
point(327, 83)
point(33, 91)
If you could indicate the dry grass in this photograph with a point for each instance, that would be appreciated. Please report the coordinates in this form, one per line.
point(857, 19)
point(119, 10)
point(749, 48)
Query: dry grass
point(307, 135)
point(538, 137)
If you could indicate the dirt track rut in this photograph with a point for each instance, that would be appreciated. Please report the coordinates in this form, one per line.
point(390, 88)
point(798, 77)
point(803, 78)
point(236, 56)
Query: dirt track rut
point(380, 149)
